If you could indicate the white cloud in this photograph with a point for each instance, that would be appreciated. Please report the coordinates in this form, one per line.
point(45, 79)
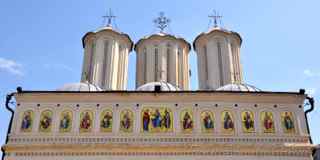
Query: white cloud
point(10, 66)
point(311, 91)
point(59, 67)
point(308, 73)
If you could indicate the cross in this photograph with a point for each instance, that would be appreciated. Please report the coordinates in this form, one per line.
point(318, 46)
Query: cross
point(108, 16)
point(215, 17)
point(162, 22)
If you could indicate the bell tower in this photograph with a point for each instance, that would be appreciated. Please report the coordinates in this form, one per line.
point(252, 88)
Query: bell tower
point(106, 53)
point(218, 53)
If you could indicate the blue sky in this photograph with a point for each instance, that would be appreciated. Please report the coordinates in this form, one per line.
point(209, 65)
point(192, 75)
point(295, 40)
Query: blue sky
point(40, 44)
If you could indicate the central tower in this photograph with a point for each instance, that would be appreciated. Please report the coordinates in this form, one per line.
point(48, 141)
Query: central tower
point(163, 57)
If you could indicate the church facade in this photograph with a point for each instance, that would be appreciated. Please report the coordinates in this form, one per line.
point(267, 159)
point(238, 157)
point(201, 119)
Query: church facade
point(162, 118)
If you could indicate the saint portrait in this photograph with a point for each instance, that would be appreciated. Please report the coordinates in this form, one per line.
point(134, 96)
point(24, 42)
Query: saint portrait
point(186, 120)
point(86, 121)
point(146, 119)
point(106, 121)
point(247, 121)
point(126, 121)
point(227, 122)
point(45, 124)
point(157, 120)
point(267, 122)
point(287, 122)
point(27, 121)
point(65, 121)
point(207, 121)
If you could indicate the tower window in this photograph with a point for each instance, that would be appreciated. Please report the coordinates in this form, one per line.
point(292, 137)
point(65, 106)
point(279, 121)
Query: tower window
point(220, 63)
point(105, 61)
point(168, 61)
point(156, 70)
point(205, 52)
point(93, 47)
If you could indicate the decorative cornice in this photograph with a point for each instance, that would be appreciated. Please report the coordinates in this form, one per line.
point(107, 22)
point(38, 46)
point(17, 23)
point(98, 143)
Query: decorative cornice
point(157, 150)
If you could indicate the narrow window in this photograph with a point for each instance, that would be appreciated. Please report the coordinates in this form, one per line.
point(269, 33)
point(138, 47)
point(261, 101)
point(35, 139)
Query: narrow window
point(220, 63)
point(89, 77)
point(205, 62)
point(156, 70)
point(168, 61)
point(105, 62)
point(145, 64)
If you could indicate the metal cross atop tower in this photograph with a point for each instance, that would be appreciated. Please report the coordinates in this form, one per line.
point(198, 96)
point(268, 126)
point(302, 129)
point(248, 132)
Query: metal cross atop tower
point(108, 16)
point(215, 16)
point(161, 22)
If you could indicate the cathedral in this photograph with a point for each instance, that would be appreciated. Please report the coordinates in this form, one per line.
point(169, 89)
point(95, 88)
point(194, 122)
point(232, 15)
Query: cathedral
point(162, 119)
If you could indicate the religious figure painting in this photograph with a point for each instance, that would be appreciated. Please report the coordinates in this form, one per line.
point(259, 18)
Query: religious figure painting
point(65, 121)
point(106, 121)
point(267, 122)
point(45, 124)
point(157, 120)
point(27, 121)
point(247, 121)
point(227, 122)
point(86, 121)
point(186, 118)
point(207, 119)
point(126, 121)
point(287, 122)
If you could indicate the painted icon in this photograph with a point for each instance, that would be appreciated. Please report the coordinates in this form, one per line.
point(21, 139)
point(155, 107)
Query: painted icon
point(247, 121)
point(287, 122)
point(45, 124)
point(267, 122)
point(65, 121)
point(86, 122)
point(126, 121)
point(157, 119)
point(207, 118)
point(227, 122)
point(27, 120)
point(146, 119)
point(106, 121)
point(186, 120)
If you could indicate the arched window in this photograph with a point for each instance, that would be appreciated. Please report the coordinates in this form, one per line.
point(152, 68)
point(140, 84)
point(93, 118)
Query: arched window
point(144, 62)
point(205, 60)
point(105, 61)
point(156, 58)
point(91, 62)
point(168, 60)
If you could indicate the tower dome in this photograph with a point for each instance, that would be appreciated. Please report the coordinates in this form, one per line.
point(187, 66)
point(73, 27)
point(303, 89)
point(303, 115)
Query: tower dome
point(79, 87)
point(106, 57)
point(218, 52)
point(239, 87)
point(162, 57)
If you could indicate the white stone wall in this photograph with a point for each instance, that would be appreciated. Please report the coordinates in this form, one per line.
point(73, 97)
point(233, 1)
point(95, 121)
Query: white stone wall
point(140, 145)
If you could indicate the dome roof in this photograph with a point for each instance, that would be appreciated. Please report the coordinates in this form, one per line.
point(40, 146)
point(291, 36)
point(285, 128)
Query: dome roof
point(108, 28)
point(216, 29)
point(239, 87)
point(79, 87)
point(161, 34)
point(165, 86)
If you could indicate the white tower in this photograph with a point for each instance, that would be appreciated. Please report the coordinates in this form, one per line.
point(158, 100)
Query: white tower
point(163, 57)
point(106, 57)
point(218, 52)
